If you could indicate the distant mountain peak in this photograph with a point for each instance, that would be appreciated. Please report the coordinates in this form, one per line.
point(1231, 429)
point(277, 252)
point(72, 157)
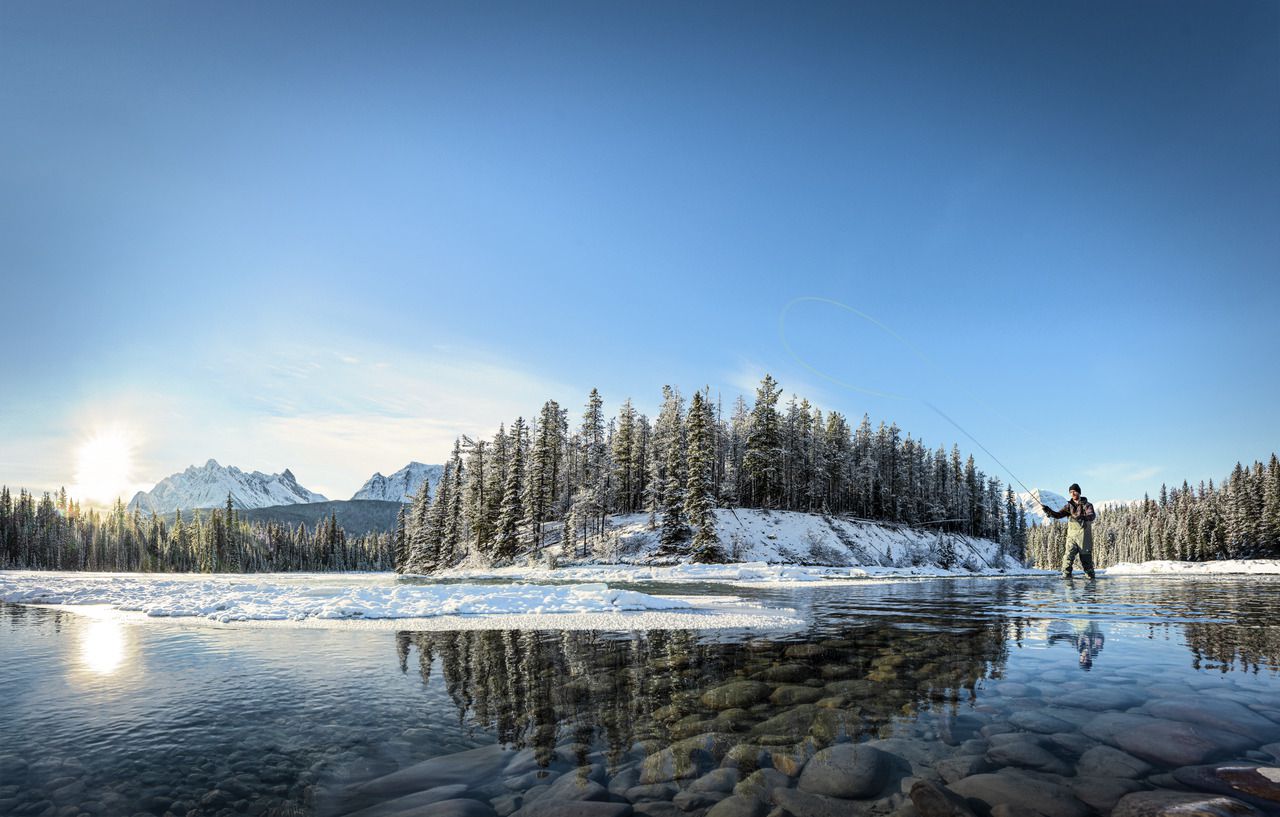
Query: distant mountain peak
point(403, 485)
point(210, 485)
point(1033, 499)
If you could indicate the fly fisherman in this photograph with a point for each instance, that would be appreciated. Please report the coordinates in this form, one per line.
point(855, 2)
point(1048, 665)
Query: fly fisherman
point(1079, 531)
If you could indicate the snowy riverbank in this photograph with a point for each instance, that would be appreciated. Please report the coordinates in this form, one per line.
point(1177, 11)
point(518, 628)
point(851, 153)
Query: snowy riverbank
point(1225, 567)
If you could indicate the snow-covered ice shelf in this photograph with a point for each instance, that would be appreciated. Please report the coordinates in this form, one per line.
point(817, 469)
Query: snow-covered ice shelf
point(266, 598)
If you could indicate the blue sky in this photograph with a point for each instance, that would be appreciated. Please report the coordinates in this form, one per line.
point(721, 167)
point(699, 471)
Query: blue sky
point(333, 237)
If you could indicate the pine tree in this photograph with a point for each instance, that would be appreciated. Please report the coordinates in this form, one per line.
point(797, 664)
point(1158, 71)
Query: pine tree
point(478, 523)
point(420, 545)
point(401, 541)
point(624, 449)
point(1270, 525)
point(507, 541)
point(760, 460)
point(669, 453)
point(452, 541)
point(544, 461)
point(699, 488)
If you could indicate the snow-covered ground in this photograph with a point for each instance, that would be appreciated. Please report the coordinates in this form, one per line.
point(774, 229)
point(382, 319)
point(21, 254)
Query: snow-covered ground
point(315, 599)
point(784, 538)
point(1224, 567)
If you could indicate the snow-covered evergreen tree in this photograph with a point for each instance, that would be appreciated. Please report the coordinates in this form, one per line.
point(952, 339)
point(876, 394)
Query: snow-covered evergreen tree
point(669, 472)
point(507, 537)
point(699, 492)
point(761, 459)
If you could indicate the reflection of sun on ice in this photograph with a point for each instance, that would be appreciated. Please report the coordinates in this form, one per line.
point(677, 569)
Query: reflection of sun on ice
point(103, 466)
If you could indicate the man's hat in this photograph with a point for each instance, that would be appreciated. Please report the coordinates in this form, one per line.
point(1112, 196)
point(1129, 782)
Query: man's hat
point(1075, 486)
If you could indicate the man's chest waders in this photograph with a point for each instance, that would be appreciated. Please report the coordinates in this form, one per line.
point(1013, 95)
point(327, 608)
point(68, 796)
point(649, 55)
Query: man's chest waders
point(1079, 540)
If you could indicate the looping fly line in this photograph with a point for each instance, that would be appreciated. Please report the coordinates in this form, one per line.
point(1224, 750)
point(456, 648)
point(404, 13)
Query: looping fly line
point(782, 336)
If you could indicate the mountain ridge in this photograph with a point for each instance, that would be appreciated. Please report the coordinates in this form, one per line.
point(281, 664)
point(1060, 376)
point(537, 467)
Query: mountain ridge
point(208, 485)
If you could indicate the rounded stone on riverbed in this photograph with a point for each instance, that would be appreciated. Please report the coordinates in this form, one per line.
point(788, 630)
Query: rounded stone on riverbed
point(846, 770)
point(1181, 804)
point(1026, 750)
point(457, 808)
point(792, 694)
point(1102, 793)
point(1258, 785)
point(549, 808)
point(1164, 742)
point(806, 804)
point(736, 695)
point(1020, 790)
point(1095, 699)
point(1217, 714)
point(739, 805)
point(932, 800)
point(1108, 761)
point(1034, 720)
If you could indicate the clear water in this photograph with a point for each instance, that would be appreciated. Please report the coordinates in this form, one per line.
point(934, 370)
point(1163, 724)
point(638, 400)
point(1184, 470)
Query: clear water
point(986, 677)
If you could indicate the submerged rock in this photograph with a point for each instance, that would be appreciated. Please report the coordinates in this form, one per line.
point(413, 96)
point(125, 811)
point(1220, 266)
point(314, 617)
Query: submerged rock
point(792, 694)
point(738, 694)
point(806, 804)
point(1107, 761)
point(485, 763)
point(846, 770)
point(760, 784)
point(1102, 793)
point(1026, 750)
point(1258, 785)
point(1164, 742)
point(548, 808)
point(1020, 790)
point(739, 805)
point(1099, 698)
point(408, 802)
point(455, 808)
point(1035, 720)
point(1216, 714)
point(932, 800)
point(1181, 804)
point(961, 766)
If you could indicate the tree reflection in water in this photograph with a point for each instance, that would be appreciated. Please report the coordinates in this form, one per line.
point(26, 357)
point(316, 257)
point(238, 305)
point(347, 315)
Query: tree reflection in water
point(541, 689)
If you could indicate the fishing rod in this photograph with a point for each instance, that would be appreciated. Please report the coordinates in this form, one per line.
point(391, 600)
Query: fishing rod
point(782, 335)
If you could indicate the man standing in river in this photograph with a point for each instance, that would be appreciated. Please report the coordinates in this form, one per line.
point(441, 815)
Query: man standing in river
point(1079, 531)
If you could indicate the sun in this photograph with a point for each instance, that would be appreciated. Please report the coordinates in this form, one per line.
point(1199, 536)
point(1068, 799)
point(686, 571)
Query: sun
point(104, 464)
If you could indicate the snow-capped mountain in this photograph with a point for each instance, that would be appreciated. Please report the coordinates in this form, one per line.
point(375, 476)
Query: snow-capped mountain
point(1031, 504)
point(207, 486)
point(403, 485)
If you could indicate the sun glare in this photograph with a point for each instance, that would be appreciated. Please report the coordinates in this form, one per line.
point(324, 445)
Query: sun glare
point(103, 466)
point(102, 647)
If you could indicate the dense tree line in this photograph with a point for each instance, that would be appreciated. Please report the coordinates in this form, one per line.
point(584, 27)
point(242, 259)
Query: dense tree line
point(55, 533)
point(1240, 519)
point(557, 481)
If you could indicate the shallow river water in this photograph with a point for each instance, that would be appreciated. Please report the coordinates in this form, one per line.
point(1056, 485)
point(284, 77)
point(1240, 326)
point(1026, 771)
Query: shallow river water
point(1010, 696)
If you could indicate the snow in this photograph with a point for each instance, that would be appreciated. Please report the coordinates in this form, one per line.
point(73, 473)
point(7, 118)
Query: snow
point(1224, 567)
point(401, 486)
point(314, 599)
point(207, 486)
point(792, 537)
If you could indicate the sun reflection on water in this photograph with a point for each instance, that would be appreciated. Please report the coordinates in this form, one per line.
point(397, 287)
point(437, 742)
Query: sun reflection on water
point(104, 644)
